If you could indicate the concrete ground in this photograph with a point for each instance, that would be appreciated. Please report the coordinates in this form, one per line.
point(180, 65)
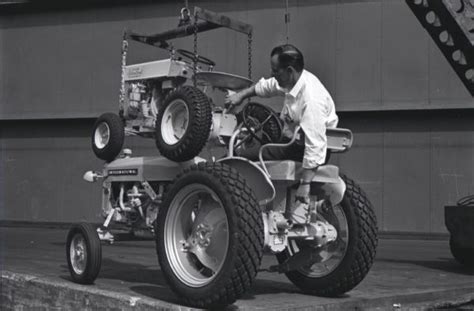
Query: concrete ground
point(407, 274)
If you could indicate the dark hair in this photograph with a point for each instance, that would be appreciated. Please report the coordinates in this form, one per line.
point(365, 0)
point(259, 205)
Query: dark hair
point(289, 55)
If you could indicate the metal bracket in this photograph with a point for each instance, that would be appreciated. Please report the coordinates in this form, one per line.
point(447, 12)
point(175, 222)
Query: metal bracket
point(105, 236)
point(151, 193)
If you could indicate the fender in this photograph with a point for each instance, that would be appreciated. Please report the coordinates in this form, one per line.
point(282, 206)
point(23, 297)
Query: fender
point(255, 178)
point(334, 191)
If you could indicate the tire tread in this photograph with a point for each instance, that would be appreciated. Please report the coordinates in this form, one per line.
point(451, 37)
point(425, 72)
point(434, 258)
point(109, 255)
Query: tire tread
point(249, 243)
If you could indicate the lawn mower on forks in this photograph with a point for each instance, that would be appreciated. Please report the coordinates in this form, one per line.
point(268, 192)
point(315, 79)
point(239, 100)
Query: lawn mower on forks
point(213, 219)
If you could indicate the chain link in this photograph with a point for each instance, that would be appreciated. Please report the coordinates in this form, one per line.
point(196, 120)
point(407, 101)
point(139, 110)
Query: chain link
point(250, 55)
point(122, 77)
point(195, 49)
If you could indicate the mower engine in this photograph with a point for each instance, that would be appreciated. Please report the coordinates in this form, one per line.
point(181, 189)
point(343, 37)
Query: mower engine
point(138, 101)
point(145, 87)
point(222, 128)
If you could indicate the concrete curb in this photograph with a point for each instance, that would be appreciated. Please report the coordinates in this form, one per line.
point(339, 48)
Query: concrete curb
point(20, 291)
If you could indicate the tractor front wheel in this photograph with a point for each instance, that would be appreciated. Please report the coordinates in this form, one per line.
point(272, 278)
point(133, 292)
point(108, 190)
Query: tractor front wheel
point(84, 253)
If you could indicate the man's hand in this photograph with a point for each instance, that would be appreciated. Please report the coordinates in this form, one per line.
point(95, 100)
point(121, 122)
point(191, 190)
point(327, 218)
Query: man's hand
point(302, 194)
point(233, 99)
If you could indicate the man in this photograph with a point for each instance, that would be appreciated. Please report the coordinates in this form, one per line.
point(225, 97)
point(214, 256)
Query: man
point(307, 104)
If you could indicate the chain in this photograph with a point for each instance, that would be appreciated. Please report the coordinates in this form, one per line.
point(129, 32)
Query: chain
point(250, 55)
point(287, 23)
point(122, 79)
point(195, 49)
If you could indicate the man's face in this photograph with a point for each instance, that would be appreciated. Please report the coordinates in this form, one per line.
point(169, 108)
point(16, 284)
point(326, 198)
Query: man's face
point(282, 75)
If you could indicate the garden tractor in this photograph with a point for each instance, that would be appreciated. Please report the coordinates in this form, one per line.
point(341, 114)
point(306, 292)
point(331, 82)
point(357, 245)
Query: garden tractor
point(213, 219)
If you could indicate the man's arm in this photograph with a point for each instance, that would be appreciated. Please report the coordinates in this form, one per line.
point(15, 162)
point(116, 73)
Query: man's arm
point(312, 123)
point(302, 193)
point(263, 88)
point(308, 175)
point(237, 98)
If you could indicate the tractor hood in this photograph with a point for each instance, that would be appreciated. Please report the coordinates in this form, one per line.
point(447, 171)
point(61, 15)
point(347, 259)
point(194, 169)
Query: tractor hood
point(145, 168)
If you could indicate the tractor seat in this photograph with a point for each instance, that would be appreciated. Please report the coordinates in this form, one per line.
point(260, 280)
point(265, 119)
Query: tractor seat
point(288, 170)
point(339, 140)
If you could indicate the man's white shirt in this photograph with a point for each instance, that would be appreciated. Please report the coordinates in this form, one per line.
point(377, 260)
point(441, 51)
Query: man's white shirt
point(309, 105)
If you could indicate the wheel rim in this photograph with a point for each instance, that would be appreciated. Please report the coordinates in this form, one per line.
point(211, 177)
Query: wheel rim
point(175, 122)
point(102, 135)
point(332, 254)
point(196, 235)
point(78, 253)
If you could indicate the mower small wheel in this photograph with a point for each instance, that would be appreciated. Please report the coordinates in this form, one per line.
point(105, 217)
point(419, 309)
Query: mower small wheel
point(84, 253)
point(108, 136)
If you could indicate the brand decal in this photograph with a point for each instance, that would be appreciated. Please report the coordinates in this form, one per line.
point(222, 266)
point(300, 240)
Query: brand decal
point(123, 172)
point(135, 72)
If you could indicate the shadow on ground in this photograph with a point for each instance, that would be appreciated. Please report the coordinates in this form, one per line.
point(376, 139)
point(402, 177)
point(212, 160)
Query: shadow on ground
point(443, 264)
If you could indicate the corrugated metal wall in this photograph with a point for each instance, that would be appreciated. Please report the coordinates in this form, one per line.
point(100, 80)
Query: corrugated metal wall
point(63, 67)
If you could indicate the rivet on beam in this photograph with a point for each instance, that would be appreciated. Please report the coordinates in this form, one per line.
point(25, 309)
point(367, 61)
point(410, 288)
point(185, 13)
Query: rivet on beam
point(432, 19)
point(421, 2)
point(446, 38)
point(470, 75)
point(459, 57)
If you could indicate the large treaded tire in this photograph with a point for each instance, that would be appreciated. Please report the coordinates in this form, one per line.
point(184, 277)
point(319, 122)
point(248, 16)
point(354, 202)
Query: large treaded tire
point(360, 253)
point(112, 148)
point(463, 255)
point(198, 128)
point(245, 232)
point(93, 250)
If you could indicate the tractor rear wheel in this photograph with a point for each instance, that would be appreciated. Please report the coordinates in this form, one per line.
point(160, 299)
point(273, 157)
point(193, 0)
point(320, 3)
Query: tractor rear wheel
point(344, 263)
point(209, 236)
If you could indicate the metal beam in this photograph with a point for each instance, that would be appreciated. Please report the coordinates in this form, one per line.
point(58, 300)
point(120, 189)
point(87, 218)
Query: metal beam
point(210, 20)
point(450, 23)
point(160, 39)
point(222, 20)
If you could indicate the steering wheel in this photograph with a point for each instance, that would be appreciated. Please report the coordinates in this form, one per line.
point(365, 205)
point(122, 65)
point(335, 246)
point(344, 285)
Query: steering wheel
point(200, 59)
point(261, 123)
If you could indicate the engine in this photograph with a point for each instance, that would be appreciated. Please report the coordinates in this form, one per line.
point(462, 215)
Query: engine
point(141, 101)
point(136, 204)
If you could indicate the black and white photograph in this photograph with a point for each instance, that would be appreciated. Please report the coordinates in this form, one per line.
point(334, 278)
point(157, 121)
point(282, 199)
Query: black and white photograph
point(237, 155)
